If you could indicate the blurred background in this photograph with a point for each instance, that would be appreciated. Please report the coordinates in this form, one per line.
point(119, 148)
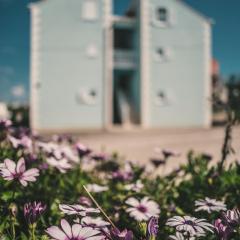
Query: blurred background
point(15, 52)
point(154, 73)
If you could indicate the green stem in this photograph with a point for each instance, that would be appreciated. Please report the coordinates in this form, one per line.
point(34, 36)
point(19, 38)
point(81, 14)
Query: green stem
point(13, 229)
point(32, 231)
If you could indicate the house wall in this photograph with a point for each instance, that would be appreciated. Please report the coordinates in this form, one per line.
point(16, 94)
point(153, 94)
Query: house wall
point(70, 64)
point(183, 77)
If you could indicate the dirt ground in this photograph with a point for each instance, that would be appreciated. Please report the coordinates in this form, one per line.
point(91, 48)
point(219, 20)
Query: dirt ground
point(139, 145)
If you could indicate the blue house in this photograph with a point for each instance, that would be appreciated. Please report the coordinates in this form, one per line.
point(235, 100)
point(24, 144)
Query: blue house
point(91, 69)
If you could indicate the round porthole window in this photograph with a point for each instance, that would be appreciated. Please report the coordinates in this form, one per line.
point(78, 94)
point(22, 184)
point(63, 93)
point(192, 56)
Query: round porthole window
point(87, 96)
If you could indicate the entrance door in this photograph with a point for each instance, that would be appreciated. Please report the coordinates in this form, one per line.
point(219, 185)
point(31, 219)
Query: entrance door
point(125, 99)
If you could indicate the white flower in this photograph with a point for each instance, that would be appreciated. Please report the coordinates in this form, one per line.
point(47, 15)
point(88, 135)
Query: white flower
point(62, 164)
point(142, 210)
point(75, 232)
point(96, 188)
point(136, 187)
point(77, 209)
point(190, 225)
point(180, 236)
point(209, 205)
point(59, 151)
point(9, 170)
point(70, 154)
point(94, 222)
point(50, 148)
point(24, 142)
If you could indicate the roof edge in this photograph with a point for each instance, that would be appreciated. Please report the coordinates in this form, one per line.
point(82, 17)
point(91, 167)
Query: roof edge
point(204, 17)
point(35, 4)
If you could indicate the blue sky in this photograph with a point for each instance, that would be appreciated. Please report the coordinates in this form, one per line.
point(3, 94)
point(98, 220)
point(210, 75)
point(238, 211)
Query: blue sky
point(14, 41)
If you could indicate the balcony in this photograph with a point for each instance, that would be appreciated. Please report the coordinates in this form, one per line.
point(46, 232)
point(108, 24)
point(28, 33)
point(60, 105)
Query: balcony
point(125, 59)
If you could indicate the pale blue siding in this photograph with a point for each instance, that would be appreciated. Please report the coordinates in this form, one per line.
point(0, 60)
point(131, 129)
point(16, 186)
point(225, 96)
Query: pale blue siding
point(181, 77)
point(65, 67)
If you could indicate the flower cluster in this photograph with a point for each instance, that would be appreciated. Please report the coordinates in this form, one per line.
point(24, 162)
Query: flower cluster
point(63, 190)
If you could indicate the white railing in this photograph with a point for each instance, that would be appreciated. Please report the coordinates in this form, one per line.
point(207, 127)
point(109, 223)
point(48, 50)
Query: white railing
point(124, 59)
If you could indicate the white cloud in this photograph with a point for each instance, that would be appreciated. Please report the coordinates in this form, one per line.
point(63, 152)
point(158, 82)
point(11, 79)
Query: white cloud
point(18, 91)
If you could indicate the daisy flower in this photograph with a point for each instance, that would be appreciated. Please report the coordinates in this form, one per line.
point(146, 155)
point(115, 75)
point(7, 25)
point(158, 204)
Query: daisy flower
point(222, 230)
point(94, 222)
point(75, 232)
point(136, 187)
point(124, 174)
point(82, 150)
point(24, 142)
point(142, 210)
point(180, 236)
point(5, 124)
point(152, 227)
point(190, 225)
point(32, 211)
point(232, 217)
point(77, 209)
point(9, 170)
point(209, 205)
point(62, 164)
point(116, 234)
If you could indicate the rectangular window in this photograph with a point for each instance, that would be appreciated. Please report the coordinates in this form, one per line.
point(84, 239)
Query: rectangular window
point(162, 14)
point(90, 10)
point(123, 39)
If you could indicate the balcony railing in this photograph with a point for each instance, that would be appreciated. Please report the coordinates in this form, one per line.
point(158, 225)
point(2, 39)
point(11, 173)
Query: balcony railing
point(125, 59)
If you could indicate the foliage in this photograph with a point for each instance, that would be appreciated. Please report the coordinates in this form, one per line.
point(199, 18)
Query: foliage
point(175, 194)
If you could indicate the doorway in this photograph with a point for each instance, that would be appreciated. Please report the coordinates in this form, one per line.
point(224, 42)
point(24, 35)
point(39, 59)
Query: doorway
point(126, 102)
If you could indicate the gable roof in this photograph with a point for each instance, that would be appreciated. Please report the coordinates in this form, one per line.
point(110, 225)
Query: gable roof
point(206, 18)
point(134, 3)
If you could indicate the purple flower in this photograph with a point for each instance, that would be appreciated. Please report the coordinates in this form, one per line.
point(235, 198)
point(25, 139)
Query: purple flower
point(32, 211)
point(142, 210)
point(222, 230)
point(5, 124)
point(82, 150)
point(24, 142)
point(157, 162)
point(152, 228)
point(77, 209)
point(9, 170)
point(231, 217)
point(124, 174)
point(121, 175)
point(74, 232)
point(124, 235)
point(169, 153)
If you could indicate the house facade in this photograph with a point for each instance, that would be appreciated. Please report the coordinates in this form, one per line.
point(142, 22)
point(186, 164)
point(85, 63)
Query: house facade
point(91, 69)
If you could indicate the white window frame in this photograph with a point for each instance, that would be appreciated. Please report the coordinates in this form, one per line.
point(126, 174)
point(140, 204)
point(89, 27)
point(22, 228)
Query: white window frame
point(93, 6)
point(163, 24)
